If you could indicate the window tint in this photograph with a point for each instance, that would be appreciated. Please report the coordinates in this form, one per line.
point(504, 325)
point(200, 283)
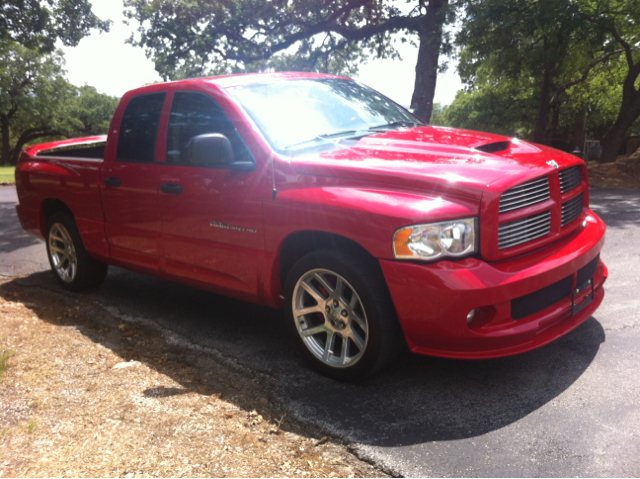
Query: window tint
point(194, 114)
point(88, 150)
point(139, 128)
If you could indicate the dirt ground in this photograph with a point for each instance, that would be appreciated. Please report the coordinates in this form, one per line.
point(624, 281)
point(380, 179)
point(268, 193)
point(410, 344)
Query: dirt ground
point(624, 173)
point(86, 395)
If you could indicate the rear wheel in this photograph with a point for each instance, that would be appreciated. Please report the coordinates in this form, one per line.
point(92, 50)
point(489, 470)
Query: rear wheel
point(341, 315)
point(73, 267)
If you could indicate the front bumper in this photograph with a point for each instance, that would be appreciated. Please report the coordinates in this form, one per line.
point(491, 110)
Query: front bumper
point(433, 300)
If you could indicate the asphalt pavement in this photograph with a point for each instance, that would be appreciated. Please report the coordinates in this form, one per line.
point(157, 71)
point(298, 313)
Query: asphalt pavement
point(571, 408)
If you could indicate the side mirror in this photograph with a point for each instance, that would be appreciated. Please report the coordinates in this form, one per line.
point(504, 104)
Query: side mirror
point(212, 149)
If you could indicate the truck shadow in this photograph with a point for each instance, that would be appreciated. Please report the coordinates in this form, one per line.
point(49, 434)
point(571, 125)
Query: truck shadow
point(416, 400)
point(12, 236)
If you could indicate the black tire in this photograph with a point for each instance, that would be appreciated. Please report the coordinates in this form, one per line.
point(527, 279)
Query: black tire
point(384, 338)
point(89, 272)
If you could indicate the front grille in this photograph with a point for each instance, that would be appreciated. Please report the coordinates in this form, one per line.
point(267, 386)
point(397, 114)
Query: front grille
point(524, 230)
point(587, 271)
point(571, 209)
point(570, 178)
point(537, 301)
point(527, 194)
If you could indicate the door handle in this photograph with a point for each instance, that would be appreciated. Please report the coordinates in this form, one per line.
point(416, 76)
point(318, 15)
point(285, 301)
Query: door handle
point(171, 188)
point(113, 182)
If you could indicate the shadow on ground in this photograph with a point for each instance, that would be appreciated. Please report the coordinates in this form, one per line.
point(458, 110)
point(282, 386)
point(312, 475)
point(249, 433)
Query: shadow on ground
point(619, 208)
point(418, 399)
point(13, 237)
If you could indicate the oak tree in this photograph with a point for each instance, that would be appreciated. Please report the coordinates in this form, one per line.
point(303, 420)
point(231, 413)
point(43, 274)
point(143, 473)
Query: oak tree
point(40, 23)
point(194, 37)
point(560, 45)
point(620, 20)
point(37, 101)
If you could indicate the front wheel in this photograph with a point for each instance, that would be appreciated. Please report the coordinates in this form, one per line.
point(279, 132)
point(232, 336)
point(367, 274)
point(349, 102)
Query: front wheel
point(341, 315)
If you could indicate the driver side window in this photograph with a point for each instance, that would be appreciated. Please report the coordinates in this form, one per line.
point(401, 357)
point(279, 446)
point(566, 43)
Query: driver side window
point(194, 114)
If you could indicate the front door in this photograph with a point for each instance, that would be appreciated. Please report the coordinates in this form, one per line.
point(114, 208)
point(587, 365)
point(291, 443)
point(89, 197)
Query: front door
point(211, 217)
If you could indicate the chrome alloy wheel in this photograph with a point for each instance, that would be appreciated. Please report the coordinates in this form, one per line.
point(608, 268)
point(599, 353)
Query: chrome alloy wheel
point(330, 318)
point(62, 253)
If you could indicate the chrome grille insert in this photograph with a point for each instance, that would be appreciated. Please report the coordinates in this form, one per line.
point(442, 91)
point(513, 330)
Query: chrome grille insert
point(524, 230)
point(571, 209)
point(527, 194)
point(570, 178)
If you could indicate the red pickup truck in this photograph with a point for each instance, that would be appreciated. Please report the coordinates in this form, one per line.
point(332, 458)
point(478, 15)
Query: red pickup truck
point(374, 231)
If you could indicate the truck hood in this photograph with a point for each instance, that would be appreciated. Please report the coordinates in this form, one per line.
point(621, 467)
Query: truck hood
point(436, 159)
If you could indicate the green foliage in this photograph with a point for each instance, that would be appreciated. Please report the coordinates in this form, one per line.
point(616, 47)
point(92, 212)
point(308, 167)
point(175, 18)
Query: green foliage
point(600, 98)
point(32, 426)
point(509, 107)
point(524, 35)
point(38, 24)
point(90, 111)
point(538, 68)
point(439, 115)
point(189, 38)
point(506, 107)
point(37, 101)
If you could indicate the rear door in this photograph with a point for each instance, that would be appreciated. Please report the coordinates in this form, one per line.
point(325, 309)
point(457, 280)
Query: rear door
point(130, 186)
point(212, 218)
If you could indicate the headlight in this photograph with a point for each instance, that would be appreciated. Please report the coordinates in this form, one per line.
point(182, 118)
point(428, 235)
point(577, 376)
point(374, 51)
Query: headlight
point(436, 240)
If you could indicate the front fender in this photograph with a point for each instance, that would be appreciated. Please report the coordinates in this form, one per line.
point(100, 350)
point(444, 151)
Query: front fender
point(367, 215)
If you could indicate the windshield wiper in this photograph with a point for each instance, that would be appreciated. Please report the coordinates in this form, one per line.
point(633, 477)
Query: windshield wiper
point(327, 136)
point(394, 124)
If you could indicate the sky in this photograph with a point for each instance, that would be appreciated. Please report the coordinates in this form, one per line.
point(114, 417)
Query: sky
point(106, 62)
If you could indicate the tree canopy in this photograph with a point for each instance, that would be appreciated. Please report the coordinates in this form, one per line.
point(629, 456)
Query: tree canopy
point(549, 49)
point(37, 101)
point(196, 37)
point(38, 24)
point(510, 107)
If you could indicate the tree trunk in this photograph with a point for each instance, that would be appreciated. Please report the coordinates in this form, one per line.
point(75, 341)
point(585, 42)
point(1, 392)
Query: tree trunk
point(629, 112)
point(26, 137)
point(577, 142)
point(539, 133)
point(6, 147)
point(430, 33)
point(614, 139)
point(555, 120)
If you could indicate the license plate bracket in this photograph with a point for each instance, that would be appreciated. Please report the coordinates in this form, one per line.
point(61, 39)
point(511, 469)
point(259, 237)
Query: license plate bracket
point(586, 300)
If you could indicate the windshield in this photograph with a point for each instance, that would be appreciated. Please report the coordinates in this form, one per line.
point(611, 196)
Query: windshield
point(296, 114)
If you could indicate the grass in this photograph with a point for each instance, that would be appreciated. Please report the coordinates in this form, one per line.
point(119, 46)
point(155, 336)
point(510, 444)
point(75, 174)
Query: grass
point(4, 361)
point(7, 174)
point(32, 426)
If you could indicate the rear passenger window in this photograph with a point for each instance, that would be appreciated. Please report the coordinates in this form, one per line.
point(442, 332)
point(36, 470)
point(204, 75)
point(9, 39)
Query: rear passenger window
point(139, 128)
point(194, 114)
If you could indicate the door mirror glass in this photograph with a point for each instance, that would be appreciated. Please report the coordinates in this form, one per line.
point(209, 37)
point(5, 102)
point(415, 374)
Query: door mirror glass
point(210, 149)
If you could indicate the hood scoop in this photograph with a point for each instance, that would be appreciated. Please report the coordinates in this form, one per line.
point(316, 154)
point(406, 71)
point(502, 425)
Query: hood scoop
point(494, 147)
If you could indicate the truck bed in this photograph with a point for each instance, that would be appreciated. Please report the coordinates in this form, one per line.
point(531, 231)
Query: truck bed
point(66, 171)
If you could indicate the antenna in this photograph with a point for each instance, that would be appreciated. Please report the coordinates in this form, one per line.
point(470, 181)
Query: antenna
point(273, 177)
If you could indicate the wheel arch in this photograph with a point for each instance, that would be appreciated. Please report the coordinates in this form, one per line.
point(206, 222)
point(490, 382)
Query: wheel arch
point(300, 243)
point(48, 208)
